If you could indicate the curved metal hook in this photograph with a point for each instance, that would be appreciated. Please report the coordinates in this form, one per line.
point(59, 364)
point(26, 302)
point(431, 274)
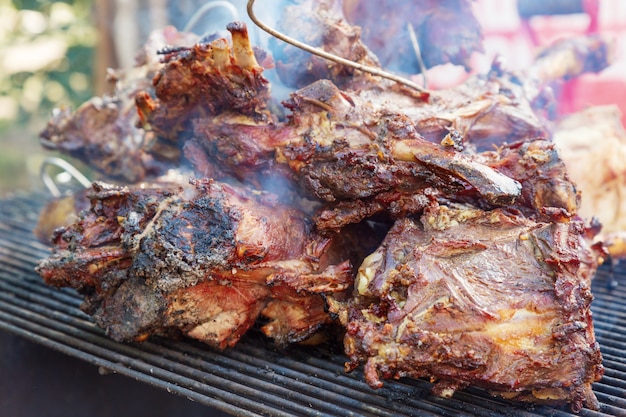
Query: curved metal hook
point(66, 167)
point(331, 57)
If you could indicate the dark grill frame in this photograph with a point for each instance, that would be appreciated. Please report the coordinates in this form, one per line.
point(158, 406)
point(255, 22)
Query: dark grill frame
point(255, 378)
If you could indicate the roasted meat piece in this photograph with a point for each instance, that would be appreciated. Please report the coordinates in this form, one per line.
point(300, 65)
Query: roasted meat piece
point(103, 131)
point(234, 145)
point(592, 144)
point(483, 298)
point(137, 132)
point(488, 110)
point(204, 80)
point(205, 260)
point(547, 189)
point(320, 24)
point(344, 149)
point(363, 157)
point(446, 31)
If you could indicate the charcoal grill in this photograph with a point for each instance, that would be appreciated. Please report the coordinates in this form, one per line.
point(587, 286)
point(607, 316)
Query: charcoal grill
point(255, 378)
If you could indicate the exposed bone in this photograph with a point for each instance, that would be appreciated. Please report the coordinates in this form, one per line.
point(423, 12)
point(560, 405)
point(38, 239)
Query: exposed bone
point(242, 50)
point(220, 53)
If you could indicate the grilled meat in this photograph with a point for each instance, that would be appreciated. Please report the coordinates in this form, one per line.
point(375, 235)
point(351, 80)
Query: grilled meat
point(364, 156)
point(103, 131)
point(592, 144)
point(237, 146)
point(546, 186)
point(345, 149)
point(487, 110)
point(204, 80)
point(205, 260)
point(446, 31)
point(482, 280)
point(138, 131)
point(483, 298)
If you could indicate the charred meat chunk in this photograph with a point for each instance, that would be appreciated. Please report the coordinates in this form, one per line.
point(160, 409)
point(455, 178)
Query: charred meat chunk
point(343, 148)
point(204, 80)
point(483, 298)
point(204, 260)
point(446, 31)
point(103, 131)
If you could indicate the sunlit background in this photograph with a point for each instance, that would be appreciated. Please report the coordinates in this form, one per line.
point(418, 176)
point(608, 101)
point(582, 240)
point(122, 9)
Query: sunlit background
point(55, 53)
point(46, 60)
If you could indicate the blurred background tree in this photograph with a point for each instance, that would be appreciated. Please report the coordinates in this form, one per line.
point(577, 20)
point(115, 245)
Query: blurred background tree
point(46, 60)
point(56, 53)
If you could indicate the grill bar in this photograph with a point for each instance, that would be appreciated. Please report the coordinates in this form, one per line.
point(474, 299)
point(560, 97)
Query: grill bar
point(255, 379)
point(65, 346)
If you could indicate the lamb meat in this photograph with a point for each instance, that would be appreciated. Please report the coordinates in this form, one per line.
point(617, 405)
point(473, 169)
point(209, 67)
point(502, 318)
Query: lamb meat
point(592, 144)
point(370, 136)
point(547, 189)
point(511, 107)
point(320, 24)
point(363, 158)
point(102, 132)
point(483, 298)
point(447, 31)
point(344, 149)
point(137, 132)
point(232, 145)
point(487, 110)
point(204, 80)
point(204, 260)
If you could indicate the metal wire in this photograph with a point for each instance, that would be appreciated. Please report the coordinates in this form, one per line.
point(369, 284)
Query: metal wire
point(66, 167)
point(331, 57)
point(418, 53)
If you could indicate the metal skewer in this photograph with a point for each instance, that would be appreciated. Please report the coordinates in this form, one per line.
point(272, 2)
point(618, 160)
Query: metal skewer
point(67, 168)
point(418, 52)
point(331, 57)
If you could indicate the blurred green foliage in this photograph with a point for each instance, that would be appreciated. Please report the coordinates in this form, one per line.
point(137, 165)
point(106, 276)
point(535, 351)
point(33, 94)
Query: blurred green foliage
point(47, 56)
point(46, 60)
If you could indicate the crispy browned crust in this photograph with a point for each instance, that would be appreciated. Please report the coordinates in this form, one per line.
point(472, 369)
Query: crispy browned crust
point(488, 299)
point(482, 280)
point(204, 80)
point(205, 260)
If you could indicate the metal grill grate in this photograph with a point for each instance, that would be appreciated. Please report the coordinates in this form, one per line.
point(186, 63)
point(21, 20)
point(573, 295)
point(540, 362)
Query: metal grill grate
point(254, 378)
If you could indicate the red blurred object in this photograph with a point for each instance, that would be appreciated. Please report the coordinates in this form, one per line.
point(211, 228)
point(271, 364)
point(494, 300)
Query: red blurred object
point(590, 90)
point(528, 9)
point(515, 29)
point(584, 91)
